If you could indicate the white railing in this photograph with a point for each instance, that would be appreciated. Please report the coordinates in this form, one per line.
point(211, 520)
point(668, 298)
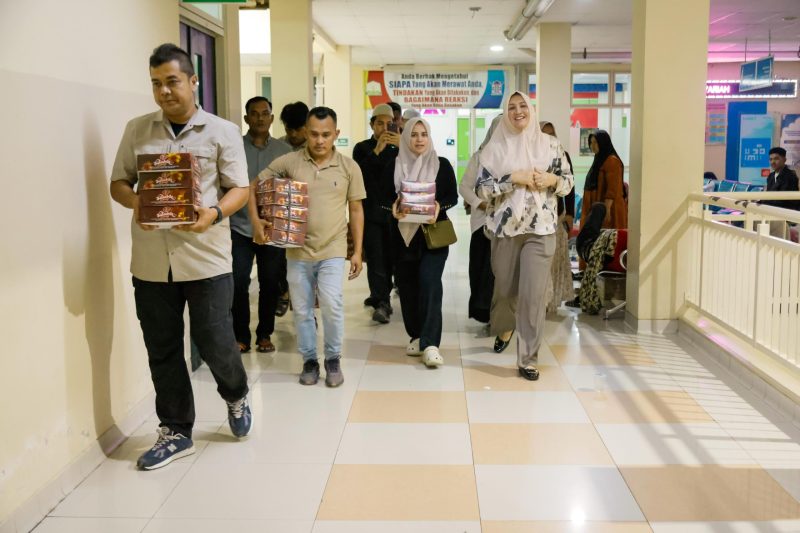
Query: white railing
point(743, 278)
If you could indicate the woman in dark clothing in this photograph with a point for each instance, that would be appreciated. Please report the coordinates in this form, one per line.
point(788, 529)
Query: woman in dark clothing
point(418, 269)
point(605, 183)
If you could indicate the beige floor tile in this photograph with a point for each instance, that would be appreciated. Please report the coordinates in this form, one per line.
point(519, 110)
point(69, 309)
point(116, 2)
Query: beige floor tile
point(400, 492)
point(393, 354)
point(568, 444)
point(403, 406)
point(564, 527)
point(601, 354)
point(709, 493)
point(504, 378)
point(620, 407)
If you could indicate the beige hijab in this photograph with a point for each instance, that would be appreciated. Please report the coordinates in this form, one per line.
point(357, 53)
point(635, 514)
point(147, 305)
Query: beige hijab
point(510, 150)
point(412, 167)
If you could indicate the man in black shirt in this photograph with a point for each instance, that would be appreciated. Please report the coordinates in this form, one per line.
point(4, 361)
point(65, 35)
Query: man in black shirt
point(782, 178)
point(372, 155)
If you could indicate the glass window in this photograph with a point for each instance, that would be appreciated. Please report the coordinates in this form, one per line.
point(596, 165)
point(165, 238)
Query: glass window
point(622, 89)
point(590, 89)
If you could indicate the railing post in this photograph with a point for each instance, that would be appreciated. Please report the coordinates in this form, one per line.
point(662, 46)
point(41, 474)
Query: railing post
point(763, 230)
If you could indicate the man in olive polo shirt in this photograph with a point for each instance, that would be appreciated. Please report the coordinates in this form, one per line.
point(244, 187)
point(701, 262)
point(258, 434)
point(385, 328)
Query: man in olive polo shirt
point(186, 264)
point(335, 185)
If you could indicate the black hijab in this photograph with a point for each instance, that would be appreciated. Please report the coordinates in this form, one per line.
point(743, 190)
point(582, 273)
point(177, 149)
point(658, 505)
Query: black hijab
point(605, 149)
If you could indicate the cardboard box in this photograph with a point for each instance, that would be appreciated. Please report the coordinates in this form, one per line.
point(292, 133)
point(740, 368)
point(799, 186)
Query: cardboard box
point(169, 179)
point(418, 186)
point(169, 215)
point(417, 209)
point(285, 239)
point(276, 184)
point(418, 198)
point(294, 226)
point(282, 198)
point(159, 197)
point(268, 212)
point(169, 161)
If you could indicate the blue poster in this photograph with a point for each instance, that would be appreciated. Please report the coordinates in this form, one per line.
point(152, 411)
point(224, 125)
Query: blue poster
point(755, 143)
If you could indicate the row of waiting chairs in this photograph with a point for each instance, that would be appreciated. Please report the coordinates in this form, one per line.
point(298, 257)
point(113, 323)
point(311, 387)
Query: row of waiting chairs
point(731, 186)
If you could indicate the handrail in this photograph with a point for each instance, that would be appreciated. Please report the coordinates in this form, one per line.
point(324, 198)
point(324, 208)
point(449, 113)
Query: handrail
point(748, 202)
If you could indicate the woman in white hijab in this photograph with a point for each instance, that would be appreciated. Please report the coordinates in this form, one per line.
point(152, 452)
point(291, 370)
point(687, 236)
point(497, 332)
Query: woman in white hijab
point(418, 270)
point(522, 170)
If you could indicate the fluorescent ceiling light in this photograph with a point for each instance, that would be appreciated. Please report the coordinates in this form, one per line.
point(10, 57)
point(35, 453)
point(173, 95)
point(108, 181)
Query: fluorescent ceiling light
point(496, 48)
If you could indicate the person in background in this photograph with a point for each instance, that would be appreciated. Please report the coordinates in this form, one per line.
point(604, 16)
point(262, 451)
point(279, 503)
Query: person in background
point(293, 116)
point(261, 150)
point(335, 186)
point(408, 114)
point(188, 264)
point(782, 178)
point(372, 155)
point(397, 115)
point(712, 180)
point(419, 270)
point(561, 271)
point(481, 279)
point(604, 182)
point(521, 172)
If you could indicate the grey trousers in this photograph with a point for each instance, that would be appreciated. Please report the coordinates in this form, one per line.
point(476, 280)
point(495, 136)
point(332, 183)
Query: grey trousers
point(521, 267)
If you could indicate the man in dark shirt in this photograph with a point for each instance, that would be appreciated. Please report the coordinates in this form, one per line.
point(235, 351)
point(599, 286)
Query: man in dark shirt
point(371, 155)
point(782, 178)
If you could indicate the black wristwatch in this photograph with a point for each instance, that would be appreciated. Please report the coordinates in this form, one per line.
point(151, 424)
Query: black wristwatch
point(219, 214)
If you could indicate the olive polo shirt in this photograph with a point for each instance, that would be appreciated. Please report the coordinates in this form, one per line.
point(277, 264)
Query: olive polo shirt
point(217, 144)
point(330, 188)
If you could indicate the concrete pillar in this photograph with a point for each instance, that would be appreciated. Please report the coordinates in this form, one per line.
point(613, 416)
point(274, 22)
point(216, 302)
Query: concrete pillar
point(667, 153)
point(338, 91)
point(229, 82)
point(292, 60)
point(554, 76)
point(358, 112)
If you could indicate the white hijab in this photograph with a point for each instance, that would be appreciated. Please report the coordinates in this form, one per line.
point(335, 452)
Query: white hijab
point(510, 150)
point(412, 167)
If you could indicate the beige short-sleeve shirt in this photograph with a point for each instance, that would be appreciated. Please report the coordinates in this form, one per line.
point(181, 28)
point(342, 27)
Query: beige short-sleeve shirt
point(330, 188)
point(218, 146)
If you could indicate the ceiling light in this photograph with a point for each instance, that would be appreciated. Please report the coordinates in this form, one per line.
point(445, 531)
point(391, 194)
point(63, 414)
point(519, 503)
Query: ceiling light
point(531, 13)
point(496, 48)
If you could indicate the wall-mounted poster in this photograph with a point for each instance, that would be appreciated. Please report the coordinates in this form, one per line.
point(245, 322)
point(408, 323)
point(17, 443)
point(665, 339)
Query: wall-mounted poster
point(754, 145)
point(716, 122)
point(790, 139)
point(436, 90)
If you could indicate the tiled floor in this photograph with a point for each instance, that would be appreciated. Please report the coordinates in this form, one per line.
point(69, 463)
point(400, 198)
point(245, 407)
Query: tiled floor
point(622, 434)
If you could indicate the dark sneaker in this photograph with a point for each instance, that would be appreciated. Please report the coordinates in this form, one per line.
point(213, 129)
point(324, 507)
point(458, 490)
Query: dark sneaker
point(240, 419)
point(310, 374)
point(168, 447)
point(381, 314)
point(370, 302)
point(333, 372)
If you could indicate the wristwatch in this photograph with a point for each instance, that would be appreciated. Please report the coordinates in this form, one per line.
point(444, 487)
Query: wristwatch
point(219, 214)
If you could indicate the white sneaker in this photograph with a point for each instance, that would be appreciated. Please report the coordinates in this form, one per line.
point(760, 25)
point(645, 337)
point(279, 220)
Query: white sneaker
point(413, 348)
point(432, 358)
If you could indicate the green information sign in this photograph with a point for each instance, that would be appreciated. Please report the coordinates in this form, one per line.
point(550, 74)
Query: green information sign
point(343, 142)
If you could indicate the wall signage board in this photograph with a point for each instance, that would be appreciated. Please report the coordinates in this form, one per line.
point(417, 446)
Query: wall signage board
point(756, 74)
point(437, 90)
point(716, 122)
point(727, 89)
point(790, 138)
point(755, 143)
point(343, 142)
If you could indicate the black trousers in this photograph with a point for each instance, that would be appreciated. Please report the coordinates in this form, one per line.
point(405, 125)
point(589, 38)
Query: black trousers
point(159, 307)
point(269, 260)
point(419, 282)
point(481, 278)
point(377, 253)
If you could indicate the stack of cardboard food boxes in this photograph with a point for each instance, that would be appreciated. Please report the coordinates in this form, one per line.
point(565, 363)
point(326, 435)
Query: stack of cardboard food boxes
point(283, 202)
point(417, 201)
point(168, 188)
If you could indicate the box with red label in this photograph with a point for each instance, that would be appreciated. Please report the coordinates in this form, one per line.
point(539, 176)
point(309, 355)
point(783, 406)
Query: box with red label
point(167, 215)
point(268, 212)
point(277, 184)
point(418, 186)
point(282, 198)
point(417, 209)
point(169, 161)
point(295, 226)
point(285, 239)
point(158, 197)
point(168, 179)
point(418, 198)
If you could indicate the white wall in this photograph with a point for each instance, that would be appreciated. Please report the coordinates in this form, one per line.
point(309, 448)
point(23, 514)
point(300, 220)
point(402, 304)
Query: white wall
point(715, 154)
point(73, 363)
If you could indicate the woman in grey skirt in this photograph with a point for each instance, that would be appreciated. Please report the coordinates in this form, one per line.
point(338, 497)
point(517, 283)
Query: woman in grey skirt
point(522, 170)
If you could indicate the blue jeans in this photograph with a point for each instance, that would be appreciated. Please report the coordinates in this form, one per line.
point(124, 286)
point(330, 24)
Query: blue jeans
point(307, 279)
